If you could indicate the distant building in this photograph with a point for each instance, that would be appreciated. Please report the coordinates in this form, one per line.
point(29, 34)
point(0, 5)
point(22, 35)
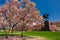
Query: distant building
point(57, 24)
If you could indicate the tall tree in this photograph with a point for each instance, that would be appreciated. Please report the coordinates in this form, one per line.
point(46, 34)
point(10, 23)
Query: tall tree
point(22, 14)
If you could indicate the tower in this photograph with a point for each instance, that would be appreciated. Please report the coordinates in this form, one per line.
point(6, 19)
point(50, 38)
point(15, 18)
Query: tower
point(46, 22)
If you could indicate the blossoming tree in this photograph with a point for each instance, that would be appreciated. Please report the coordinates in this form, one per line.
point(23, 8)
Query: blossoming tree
point(20, 15)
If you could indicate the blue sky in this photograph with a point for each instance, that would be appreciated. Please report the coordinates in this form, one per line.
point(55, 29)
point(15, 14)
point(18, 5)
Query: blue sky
point(52, 7)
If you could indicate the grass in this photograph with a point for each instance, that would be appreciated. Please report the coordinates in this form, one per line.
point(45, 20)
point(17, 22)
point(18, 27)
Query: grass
point(47, 34)
point(15, 33)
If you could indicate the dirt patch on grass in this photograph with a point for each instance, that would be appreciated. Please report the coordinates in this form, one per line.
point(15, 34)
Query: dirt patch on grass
point(35, 38)
point(23, 38)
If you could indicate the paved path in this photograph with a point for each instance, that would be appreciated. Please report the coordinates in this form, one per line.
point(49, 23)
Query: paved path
point(24, 38)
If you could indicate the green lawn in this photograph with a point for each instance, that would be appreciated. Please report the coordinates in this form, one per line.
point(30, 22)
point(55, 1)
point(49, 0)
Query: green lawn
point(49, 35)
